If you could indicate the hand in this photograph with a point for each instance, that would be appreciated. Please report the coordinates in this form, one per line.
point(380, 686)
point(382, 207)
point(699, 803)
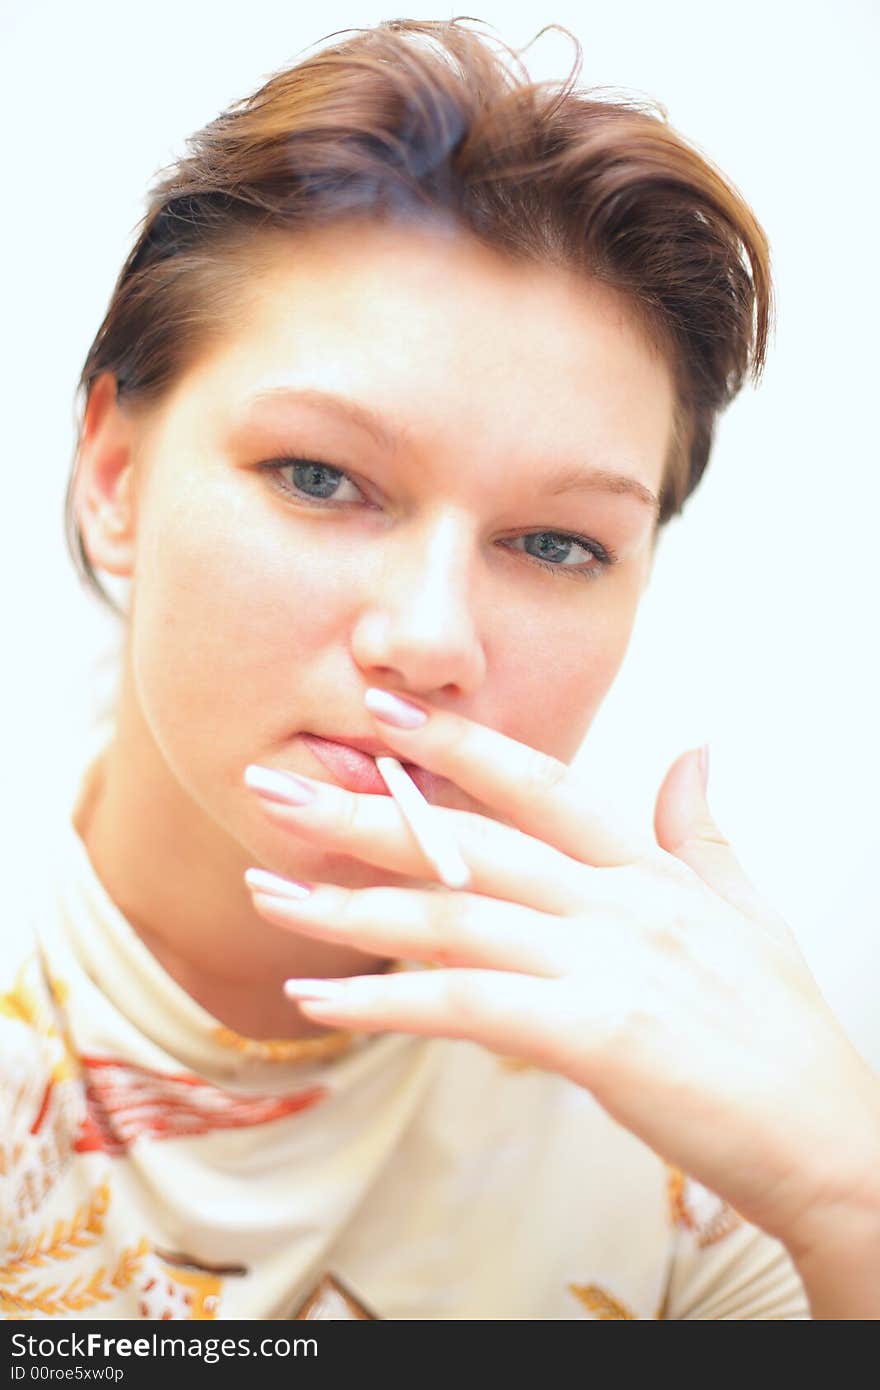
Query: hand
point(654, 977)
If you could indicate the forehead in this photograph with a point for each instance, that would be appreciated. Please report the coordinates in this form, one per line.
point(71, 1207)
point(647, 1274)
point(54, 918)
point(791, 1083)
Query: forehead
point(453, 341)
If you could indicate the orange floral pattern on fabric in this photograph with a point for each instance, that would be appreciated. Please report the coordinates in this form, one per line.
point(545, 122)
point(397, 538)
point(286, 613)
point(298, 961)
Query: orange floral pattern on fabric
point(603, 1305)
point(176, 1291)
point(126, 1102)
point(698, 1210)
point(24, 1296)
point(285, 1049)
point(63, 1240)
point(78, 1296)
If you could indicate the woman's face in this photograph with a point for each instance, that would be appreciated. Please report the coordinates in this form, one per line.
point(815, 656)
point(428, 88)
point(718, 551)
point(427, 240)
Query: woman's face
point(482, 544)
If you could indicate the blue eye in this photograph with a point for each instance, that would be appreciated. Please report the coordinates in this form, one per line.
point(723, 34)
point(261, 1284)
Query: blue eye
point(316, 484)
point(309, 473)
point(552, 555)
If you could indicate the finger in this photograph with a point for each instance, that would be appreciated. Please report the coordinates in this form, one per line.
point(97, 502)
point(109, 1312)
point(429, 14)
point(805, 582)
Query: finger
point(503, 862)
point(537, 793)
point(443, 928)
point(507, 1013)
point(686, 829)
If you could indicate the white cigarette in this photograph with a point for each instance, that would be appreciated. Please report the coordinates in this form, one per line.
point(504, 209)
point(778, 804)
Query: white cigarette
point(439, 847)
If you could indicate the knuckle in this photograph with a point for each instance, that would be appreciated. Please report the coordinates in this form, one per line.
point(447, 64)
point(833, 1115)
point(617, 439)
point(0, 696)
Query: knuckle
point(379, 907)
point(363, 907)
point(708, 833)
point(628, 1033)
point(460, 1000)
point(671, 935)
point(663, 866)
point(705, 833)
point(544, 773)
point(446, 927)
point(480, 832)
point(348, 908)
point(351, 819)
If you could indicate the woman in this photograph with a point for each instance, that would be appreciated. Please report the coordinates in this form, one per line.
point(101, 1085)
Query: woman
point(410, 363)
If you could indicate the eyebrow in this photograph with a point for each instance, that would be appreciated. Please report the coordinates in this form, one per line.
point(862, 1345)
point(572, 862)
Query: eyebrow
point(601, 480)
point(329, 403)
point(363, 417)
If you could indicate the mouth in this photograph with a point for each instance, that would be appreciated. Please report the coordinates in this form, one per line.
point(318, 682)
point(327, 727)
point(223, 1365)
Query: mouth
point(354, 767)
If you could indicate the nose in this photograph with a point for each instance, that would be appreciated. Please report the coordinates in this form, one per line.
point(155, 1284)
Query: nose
point(417, 629)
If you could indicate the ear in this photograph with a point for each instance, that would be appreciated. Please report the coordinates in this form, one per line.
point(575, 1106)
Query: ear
point(104, 492)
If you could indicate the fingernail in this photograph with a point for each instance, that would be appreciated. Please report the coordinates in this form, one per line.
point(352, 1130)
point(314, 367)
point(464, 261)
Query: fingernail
point(263, 882)
point(280, 786)
point(314, 989)
point(392, 710)
point(704, 767)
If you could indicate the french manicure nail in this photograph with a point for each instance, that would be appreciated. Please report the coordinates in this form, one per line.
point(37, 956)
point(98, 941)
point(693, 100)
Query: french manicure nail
point(314, 989)
point(263, 882)
point(393, 710)
point(285, 787)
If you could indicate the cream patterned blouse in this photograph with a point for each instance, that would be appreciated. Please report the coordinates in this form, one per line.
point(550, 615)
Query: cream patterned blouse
point(155, 1165)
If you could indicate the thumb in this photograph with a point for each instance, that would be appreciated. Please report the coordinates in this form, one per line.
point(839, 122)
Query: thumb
point(684, 827)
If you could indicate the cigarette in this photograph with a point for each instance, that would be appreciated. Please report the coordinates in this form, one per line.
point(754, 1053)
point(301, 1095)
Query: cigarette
point(436, 844)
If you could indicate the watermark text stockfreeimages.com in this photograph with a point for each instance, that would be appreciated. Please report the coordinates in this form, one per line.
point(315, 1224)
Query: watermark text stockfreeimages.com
point(92, 1345)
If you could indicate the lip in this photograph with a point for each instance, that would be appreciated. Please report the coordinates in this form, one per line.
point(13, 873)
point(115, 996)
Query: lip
point(354, 767)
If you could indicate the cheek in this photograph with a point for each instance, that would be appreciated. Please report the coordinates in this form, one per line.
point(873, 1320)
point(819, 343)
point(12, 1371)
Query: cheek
point(225, 615)
point(559, 671)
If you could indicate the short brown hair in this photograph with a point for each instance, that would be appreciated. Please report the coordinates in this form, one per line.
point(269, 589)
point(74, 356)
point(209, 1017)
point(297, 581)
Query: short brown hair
point(426, 119)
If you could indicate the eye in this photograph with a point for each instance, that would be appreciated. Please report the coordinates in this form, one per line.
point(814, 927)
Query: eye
point(553, 550)
point(313, 481)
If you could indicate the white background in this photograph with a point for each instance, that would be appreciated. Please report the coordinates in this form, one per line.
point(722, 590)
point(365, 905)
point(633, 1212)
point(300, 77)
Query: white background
point(759, 632)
